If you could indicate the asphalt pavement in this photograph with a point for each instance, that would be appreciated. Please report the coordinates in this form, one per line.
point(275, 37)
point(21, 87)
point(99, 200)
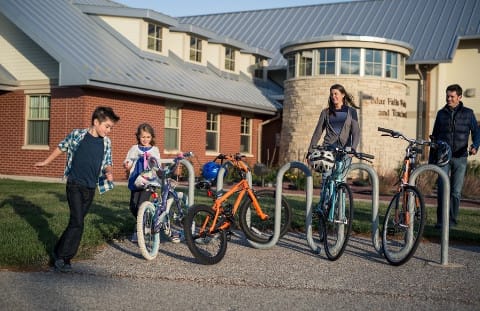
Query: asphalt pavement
point(288, 276)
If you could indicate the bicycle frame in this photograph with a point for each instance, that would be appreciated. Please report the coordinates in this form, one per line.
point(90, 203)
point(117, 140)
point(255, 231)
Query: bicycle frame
point(241, 188)
point(329, 189)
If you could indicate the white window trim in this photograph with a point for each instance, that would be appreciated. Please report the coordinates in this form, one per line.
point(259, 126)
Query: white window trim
point(28, 94)
point(179, 128)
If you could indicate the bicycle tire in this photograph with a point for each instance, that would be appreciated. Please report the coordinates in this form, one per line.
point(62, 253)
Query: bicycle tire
point(337, 232)
point(261, 231)
point(176, 212)
point(396, 244)
point(207, 248)
point(148, 241)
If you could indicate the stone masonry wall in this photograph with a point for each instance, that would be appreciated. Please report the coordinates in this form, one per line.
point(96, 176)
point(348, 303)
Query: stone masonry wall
point(382, 105)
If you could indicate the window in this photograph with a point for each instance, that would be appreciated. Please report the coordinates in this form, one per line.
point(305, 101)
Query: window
point(373, 62)
point(305, 66)
point(154, 37)
point(350, 62)
point(258, 73)
point(291, 66)
point(38, 121)
point(230, 58)
point(391, 65)
point(245, 135)
point(212, 131)
point(172, 128)
point(326, 61)
point(195, 49)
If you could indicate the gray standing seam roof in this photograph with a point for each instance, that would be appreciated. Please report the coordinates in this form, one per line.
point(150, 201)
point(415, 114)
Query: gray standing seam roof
point(432, 27)
point(90, 52)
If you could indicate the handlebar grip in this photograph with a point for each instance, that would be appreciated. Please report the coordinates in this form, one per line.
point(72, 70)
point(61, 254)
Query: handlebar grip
point(366, 156)
point(381, 129)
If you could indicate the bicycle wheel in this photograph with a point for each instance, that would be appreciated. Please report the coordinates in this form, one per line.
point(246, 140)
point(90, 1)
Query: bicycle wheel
point(207, 248)
point(148, 241)
point(337, 230)
point(401, 232)
point(176, 211)
point(261, 231)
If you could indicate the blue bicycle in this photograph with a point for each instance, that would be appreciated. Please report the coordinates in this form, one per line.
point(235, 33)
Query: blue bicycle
point(335, 208)
point(164, 212)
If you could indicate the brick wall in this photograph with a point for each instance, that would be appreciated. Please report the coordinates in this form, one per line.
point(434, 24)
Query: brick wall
point(72, 108)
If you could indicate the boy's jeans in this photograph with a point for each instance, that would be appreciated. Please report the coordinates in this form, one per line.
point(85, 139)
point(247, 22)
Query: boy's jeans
point(79, 201)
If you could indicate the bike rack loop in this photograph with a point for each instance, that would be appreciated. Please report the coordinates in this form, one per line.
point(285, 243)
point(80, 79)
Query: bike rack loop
point(445, 205)
point(375, 198)
point(191, 178)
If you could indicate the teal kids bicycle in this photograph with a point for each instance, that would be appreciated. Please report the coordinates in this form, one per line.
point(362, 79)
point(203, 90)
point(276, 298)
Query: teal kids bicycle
point(335, 208)
point(164, 212)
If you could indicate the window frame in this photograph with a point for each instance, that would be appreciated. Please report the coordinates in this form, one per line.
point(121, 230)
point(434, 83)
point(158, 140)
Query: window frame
point(246, 123)
point(212, 128)
point(155, 41)
point(230, 58)
point(323, 63)
point(29, 140)
point(195, 54)
point(375, 63)
point(350, 61)
point(169, 127)
point(291, 65)
point(389, 57)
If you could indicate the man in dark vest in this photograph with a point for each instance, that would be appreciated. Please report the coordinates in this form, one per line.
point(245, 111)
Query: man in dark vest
point(454, 124)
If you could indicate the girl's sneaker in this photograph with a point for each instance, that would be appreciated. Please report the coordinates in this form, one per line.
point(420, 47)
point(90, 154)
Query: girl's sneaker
point(134, 238)
point(175, 237)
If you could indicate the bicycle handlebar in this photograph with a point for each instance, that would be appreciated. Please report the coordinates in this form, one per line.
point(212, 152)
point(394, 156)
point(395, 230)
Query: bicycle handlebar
point(346, 150)
point(412, 141)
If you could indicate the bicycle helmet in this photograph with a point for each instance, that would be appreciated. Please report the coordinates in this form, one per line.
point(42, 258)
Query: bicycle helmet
point(210, 170)
point(443, 153)
point(321, 160)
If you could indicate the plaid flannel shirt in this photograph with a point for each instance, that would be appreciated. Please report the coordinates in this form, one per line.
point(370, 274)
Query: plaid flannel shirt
point(70, 145)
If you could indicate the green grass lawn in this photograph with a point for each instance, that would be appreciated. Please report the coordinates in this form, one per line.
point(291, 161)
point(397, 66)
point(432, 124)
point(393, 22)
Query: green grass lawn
point(33, 215)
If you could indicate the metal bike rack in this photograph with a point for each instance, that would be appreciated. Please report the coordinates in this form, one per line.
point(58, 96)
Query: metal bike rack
point(375, 198)
point(191, 178)
point(445, 205)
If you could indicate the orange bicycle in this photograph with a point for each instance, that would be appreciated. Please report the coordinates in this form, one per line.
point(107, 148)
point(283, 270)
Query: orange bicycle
point(405, 217)
point(208, 228)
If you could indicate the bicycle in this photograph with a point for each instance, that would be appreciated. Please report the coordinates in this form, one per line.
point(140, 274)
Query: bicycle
point(405, 217)
point(208, 228)
point(335, 207)
point(163, 213)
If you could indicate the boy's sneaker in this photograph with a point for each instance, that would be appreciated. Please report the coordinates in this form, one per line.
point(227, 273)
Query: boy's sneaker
point(134, 238)
point(62, 266)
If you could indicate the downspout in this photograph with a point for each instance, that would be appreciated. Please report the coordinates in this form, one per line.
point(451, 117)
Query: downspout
point(424, 105)
point(259, 139)
point(425, 117)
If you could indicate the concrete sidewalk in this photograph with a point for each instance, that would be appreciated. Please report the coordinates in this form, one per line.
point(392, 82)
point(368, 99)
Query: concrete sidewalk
point(289, 276)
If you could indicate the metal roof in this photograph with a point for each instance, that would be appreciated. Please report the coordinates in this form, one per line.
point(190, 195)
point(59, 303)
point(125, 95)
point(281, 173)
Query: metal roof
point(432, 27)
point(91, 53)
